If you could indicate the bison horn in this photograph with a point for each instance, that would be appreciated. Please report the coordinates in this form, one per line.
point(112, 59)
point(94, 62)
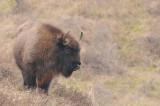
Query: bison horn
point(66, 42)
point(81, 36)
point(64, 35)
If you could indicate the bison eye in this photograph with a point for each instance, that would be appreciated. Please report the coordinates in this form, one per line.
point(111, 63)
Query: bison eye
point(68, 50)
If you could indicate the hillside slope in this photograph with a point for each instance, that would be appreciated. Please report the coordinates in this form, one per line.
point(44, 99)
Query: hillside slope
point(120, 52)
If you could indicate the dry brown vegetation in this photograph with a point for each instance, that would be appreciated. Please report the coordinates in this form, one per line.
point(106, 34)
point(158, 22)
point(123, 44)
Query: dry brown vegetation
point(120, 52)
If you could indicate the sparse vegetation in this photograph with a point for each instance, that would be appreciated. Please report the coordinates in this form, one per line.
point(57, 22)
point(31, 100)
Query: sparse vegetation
point(120, 52)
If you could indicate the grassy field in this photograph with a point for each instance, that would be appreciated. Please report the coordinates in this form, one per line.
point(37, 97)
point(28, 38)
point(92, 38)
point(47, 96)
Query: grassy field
point(120, 52)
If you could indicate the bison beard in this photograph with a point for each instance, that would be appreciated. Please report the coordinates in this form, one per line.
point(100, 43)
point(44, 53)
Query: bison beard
point(42, 51)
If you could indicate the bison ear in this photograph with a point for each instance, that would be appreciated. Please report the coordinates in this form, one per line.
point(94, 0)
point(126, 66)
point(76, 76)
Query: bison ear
point(59, 40)
point(62, 41)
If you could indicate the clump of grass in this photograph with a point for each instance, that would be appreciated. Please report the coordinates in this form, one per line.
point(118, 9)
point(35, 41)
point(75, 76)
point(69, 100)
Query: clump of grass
point(152, 44)
point(126, 47)
point(103, 97)
point(94, 12)
point(6, 4)
point(4, 100)
point(4, 72)
point(77, 85)
point(144, 68)
point(77, 98)
point(132, 26)
point(127, 82)
point(151, 89)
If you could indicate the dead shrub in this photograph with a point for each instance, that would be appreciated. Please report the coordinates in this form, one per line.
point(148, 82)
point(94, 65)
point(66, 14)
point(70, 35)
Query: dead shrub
point(101, 56)
point(151, 44)
point(153, 7)
point(151, 89)
point(4, 72)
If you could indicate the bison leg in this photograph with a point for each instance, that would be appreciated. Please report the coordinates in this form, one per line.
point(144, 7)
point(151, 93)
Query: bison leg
point(43, 85)
point(44, 81)
point(29, 79)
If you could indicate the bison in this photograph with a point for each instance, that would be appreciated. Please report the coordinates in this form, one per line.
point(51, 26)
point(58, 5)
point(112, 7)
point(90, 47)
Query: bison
point(42, 51)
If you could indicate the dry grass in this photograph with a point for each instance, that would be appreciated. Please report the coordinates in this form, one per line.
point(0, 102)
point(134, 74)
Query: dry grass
point(120, 52)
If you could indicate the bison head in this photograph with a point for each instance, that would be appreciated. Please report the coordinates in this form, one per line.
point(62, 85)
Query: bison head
point(68, 54)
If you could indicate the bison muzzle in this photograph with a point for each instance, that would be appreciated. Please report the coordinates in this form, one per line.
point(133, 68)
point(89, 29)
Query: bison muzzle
point(42, 51)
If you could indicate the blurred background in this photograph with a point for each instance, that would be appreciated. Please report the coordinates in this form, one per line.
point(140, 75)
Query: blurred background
point(120, 52)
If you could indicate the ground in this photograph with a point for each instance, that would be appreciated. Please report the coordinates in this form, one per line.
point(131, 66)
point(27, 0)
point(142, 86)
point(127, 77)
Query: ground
point(120, 52)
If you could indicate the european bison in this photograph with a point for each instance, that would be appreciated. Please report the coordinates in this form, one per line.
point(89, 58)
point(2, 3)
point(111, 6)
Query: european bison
point(43, 51)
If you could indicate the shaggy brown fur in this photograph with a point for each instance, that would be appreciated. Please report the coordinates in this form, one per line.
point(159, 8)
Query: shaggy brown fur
point(41, 52)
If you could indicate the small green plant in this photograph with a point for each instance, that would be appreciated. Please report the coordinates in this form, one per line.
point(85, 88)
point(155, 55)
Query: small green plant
point(6, 4)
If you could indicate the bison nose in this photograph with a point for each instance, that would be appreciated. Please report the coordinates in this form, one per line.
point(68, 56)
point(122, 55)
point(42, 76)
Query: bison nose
point(79, 63)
